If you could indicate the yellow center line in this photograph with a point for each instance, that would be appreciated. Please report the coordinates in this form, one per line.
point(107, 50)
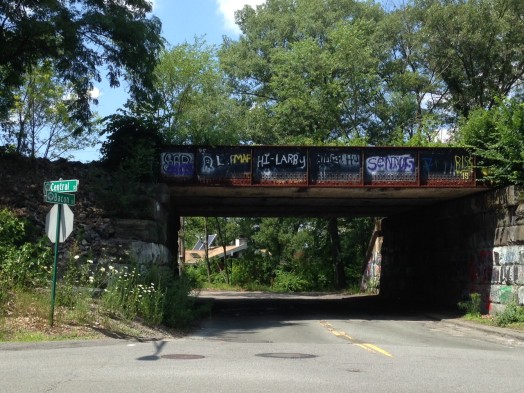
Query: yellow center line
point(367, 346)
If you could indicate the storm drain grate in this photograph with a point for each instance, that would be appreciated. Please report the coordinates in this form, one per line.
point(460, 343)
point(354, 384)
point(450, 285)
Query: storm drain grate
point(182, 356)
point(286, 355)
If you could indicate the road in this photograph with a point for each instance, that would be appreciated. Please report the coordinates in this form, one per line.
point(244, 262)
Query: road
point(268, 343)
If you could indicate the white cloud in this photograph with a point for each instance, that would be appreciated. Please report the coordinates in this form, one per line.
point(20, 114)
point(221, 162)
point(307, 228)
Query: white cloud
point(228, 7)
point(95, 93)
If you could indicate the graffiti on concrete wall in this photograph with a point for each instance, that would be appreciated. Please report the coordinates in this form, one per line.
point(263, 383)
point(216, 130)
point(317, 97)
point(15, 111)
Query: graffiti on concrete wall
point(509, 255)
point(481, 267)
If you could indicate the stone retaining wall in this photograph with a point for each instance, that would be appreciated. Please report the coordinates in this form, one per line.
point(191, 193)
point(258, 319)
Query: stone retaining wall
point(442, 254)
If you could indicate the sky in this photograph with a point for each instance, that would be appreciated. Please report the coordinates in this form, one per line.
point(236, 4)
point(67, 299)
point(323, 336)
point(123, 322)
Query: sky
point(182, 21)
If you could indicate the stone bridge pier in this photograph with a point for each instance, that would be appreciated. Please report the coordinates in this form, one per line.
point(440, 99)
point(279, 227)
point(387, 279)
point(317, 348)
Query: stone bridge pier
point(442, 253)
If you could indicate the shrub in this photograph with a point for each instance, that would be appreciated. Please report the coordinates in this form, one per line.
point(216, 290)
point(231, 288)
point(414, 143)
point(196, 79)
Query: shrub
point(472, 306)
point(512, 314)
point(179, 309)
point(288, 281)
point(23, 263)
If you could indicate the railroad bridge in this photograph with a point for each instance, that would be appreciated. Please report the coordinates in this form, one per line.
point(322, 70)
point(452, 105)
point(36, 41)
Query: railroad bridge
point(443, 233)
point(314, 181)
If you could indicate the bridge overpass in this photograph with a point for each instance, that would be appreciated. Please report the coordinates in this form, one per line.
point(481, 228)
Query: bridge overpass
point(445, 234)
point(313, 181)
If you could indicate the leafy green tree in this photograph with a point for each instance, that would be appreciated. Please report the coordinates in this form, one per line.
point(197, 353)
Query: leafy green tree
point(307, 70)
point(474, 46)
point(191, 98)
point(79, 38)
point(496, 136)
point(39, 124)
point(412, 107)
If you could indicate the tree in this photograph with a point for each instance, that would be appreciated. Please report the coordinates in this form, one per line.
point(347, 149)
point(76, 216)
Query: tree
point(413, 105)
point(132, 145)
point(191, 98)
point(78, 37)
point(475, 47)
point(496, 136)
point(39, 124)
point(306, 69)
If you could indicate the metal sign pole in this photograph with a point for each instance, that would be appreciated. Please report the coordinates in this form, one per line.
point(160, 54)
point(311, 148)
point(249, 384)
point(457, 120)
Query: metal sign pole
point(55, 263)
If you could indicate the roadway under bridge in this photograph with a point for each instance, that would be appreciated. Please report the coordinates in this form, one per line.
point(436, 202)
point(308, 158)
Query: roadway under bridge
point(302, 181)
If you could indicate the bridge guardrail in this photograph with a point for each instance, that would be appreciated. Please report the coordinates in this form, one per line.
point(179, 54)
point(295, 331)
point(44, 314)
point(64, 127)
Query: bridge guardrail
point(313, 166)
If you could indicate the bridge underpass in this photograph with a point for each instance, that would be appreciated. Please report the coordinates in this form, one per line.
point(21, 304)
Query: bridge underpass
point(444, 233)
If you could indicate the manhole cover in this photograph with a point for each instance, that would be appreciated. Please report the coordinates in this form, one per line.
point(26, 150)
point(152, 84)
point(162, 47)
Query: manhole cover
point(182, 356)
point(285, 355)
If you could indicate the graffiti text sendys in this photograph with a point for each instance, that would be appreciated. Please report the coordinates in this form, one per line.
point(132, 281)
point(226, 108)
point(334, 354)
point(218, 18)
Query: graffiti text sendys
point(391, 163)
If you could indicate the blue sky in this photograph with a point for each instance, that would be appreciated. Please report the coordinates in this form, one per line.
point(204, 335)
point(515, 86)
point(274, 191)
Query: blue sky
point(182, 21)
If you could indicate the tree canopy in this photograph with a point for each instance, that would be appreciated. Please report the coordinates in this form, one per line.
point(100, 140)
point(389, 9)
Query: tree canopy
point(82, 38)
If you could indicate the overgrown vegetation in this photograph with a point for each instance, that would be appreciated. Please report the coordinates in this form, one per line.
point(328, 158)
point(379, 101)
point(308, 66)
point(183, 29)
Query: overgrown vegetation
point(88, 295)
point(511, 316)
point(473, 306)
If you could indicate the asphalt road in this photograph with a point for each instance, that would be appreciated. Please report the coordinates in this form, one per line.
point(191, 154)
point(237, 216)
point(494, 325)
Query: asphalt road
point(267, 343)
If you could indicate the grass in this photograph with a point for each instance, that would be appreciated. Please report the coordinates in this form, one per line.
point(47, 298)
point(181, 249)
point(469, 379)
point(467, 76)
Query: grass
point(24, 317)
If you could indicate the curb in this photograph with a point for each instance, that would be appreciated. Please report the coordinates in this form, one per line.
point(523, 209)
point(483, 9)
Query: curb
point(500, 331)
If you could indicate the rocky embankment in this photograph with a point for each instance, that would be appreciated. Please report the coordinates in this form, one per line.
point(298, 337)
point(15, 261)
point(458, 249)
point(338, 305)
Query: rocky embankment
point(99, 233)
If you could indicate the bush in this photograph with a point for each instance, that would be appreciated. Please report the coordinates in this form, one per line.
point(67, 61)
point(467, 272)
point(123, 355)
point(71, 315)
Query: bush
point(179, 307)
point(512, 314)
point(23, 263)
point(473, 306)
point(289, 282)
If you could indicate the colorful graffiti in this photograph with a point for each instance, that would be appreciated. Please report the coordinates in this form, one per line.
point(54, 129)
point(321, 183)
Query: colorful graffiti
point(365, 166)
point(178, 164)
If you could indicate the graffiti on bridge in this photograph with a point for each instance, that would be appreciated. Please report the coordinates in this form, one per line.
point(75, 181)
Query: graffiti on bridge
point(178, 164)
point(391, 167)
point(224, 165)
point(351, 166)
point(446, 165)
point(280, 166)
point(335, 166)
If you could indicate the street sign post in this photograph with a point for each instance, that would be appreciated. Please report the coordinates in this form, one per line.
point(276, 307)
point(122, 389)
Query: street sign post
point(55, 192)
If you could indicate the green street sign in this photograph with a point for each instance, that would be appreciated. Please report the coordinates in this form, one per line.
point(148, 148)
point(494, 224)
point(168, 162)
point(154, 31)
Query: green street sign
point(61, 186)
point(59, 198)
